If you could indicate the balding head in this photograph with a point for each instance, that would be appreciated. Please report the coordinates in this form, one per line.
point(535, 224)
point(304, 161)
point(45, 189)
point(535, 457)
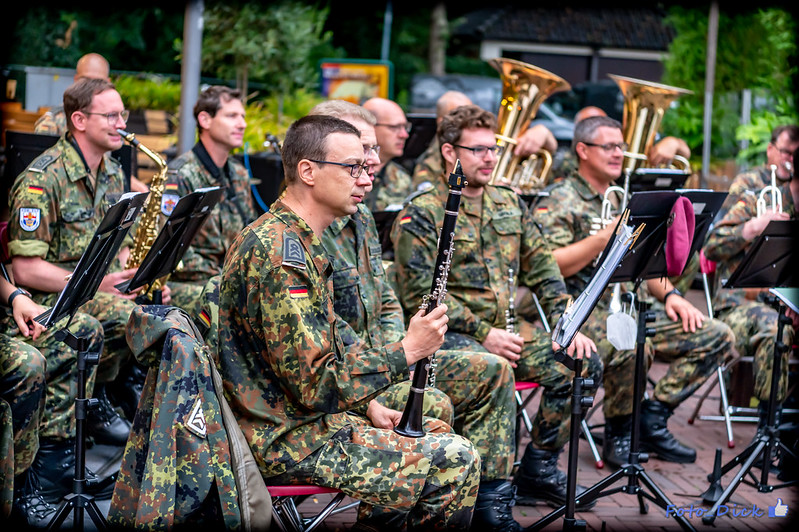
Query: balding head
point(449, 101)
point(92, 66)
point(391, 128)
point(588, 112)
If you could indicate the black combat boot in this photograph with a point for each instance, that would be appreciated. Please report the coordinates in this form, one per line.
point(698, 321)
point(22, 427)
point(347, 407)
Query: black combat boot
point(29, 509)
point(539, 480)
point(492, 512)
point(655, 435)
point(616, 444)
point(126, 390)
point(54, 466)
point(104, 424)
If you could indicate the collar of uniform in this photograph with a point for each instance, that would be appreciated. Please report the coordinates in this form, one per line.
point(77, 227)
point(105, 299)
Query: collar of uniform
point(584, 188)
point(339, 224)
point(74, 163)
point(310, 241)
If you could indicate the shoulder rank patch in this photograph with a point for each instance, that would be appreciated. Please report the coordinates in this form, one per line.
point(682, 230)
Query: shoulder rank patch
point(196, 420)
point(29, 218)
point(41, 163)
point(298, 292)
point(168, 202)
point(293, 253)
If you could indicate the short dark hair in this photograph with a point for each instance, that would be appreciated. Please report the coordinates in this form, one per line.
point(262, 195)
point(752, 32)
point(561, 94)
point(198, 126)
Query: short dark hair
point(463, 117)
point(80, 95)
point(585, 130)
point(791, 129)
point(212, 98)
point(307, 139)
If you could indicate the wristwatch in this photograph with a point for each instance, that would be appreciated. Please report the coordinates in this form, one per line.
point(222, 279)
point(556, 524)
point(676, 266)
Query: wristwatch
point(15, 293)
point(673, 292)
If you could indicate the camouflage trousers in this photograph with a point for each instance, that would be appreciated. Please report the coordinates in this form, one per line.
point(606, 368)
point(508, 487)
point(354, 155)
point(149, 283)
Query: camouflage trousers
point(425, 483)
point(537, 364)
point(436, 403)
point(58, 419)
point(692, 358)
point(480, 387)
point(113, 314)
point(22, 388)
point(755, 328)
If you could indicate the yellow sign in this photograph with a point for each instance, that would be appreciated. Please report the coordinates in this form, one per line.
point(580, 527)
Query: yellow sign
point(355, 81)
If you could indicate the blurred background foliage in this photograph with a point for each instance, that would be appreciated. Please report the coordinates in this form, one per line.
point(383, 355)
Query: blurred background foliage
point(271, 49)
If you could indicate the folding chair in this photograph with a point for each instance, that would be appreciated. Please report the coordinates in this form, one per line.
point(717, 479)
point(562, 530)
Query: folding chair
point(287, 499)
point(728, 413)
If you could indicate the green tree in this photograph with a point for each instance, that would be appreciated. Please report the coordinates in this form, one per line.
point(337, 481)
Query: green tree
point(756, 50)
point(272, 44)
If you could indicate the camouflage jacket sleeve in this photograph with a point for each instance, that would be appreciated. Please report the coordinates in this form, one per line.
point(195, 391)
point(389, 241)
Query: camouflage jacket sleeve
point(538, 268)
point(53, 122)
point(725, 239)
point(415, 238)
point(392, 322)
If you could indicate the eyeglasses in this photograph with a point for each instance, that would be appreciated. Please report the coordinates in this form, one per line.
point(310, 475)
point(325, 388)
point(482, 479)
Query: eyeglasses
point(112, 117)
point(783, 151)
point(610, 146)
point(355, 168)
point(369, 149)
point(480, 151)
point(397, 127)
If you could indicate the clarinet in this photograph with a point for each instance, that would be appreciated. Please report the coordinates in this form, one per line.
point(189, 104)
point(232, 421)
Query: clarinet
point(411, 423)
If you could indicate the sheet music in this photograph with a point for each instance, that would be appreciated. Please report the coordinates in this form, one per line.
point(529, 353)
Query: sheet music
point(576, 314)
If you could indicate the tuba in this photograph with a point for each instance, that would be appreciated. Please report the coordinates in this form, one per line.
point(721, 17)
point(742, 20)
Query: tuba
point(645, 103)
point(524, 88)
point(147, 230)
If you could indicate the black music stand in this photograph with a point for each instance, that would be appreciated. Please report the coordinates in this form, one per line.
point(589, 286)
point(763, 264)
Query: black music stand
point(80, 288)
point(769, 263)
point(650, 209)
point(173, 240)
point(650, 179)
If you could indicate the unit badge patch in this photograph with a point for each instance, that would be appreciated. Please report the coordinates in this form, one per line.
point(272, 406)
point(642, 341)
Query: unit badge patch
point(29, 218)
point(168, 202)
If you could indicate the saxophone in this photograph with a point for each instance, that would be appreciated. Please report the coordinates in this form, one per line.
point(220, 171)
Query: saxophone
point(147, 230)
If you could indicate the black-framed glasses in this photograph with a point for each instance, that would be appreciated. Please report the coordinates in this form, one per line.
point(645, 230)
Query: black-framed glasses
point(480, 151)
point(610, 146)
point(397, 127)
point(112, 117)
point(355, 168)
point(783, 151)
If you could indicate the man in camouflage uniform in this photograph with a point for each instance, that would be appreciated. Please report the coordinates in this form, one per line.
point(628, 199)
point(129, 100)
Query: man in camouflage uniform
point(694, 344)
point(219, 113)
point(392, 182)
point(779, 153)
point(429, 165)
point(287, 373)
point(480, 385)
point(56, 205)
point(753, 321)
point(494, 233)
point(38, 377)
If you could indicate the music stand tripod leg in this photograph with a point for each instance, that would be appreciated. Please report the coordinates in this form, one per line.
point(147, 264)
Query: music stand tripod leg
point(78, 500)
point(769, 440)
point(632, 470)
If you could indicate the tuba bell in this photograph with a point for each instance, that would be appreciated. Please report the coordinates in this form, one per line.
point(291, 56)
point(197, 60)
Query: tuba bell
point(524, 88)
point(645, 103)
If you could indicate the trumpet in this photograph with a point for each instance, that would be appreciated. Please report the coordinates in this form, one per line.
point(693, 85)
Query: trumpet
point(770, 191)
